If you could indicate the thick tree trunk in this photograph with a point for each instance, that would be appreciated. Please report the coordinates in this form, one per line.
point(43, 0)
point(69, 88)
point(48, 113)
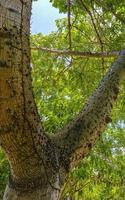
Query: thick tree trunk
point(39, 164)
point(44, 193)
point(33, 159)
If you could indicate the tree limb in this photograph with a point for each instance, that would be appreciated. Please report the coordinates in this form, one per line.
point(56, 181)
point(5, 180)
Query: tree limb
point(79, 136)
point(22, 136)
point(77, 53)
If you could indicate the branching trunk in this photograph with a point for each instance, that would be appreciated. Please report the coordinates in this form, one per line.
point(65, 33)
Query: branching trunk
point(39, 164)
point(32, 156)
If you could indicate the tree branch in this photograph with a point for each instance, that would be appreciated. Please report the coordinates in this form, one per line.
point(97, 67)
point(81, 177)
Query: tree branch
point(93, 22)
point(21, 134)
point(69, 23)
point(77, 53)
point(95, 28)
point(79, 136)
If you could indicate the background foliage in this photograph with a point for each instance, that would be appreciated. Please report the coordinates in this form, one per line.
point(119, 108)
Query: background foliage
point(62, 85)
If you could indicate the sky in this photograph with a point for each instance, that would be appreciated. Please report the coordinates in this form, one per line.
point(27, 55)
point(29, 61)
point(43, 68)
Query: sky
point(43, 17)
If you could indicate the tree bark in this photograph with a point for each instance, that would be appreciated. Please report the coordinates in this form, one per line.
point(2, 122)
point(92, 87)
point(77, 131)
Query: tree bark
point(39, 164)
point(81, 54)
point(31, 154)
point(18, 113)
point(80, 135)
point(44, 193)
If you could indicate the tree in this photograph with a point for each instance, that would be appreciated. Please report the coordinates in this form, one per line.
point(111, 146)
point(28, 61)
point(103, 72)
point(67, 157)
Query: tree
point(39, 163)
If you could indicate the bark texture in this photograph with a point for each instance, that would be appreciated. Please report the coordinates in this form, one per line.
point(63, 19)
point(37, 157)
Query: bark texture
point(44, 193)
point(79, 136)
point(39, 164)
point(31, 154)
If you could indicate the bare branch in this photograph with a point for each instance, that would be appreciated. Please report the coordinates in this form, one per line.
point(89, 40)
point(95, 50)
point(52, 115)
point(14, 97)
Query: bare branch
point(77, 53)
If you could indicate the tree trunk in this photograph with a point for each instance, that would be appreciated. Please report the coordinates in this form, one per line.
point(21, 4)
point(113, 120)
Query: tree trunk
point(39, 164)
point(33, 159)
point(46, 193)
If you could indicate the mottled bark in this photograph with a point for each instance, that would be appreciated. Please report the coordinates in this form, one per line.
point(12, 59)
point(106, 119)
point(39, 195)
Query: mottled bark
point(32, 156)
point(44, 193)
point(16, 117)
point(79, 136)
point(39, 164)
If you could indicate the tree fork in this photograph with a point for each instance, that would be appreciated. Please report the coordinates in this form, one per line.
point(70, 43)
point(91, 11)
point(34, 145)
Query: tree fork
point(39, 164)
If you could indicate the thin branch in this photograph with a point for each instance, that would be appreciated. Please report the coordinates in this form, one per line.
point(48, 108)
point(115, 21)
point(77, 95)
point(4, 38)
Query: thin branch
point(95, 28)
point(77, 53)
point(92, 19)
point(69, 23)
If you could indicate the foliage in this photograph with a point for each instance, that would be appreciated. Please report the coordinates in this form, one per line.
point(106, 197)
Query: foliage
point(61, 88)
point(4, 170)
point(101, 174)
point(62, 85)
